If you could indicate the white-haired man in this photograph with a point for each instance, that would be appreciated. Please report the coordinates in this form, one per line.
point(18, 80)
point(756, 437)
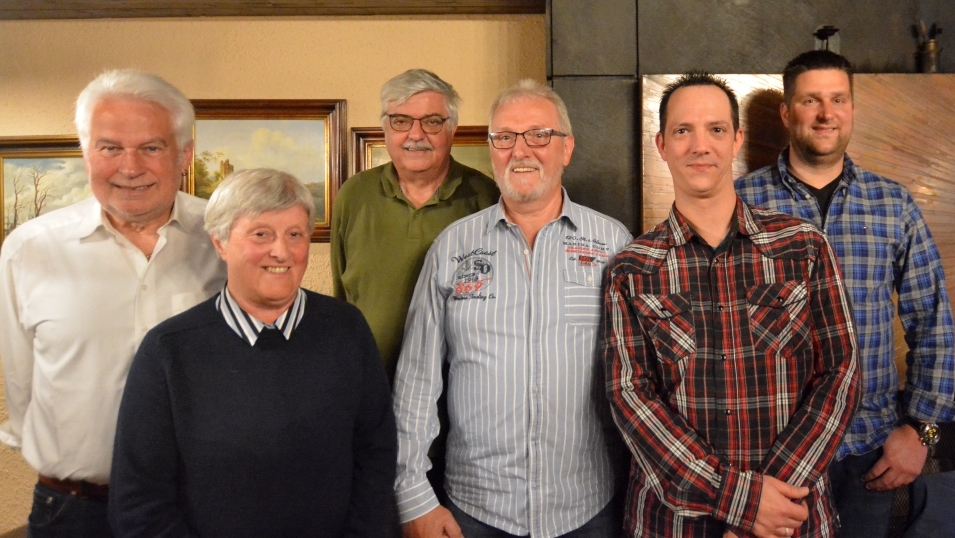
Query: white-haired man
point(80, 286)
point(509, 299)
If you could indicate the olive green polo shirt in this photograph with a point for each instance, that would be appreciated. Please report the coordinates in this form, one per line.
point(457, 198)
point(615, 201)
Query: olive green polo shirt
point(379, 241)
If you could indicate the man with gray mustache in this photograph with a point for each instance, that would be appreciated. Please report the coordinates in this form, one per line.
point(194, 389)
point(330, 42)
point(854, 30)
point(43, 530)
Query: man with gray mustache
point(508, 301)
point(385, 218)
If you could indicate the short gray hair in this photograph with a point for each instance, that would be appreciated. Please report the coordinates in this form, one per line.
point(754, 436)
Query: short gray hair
point(414, 81)
point(530, 88)
point(132, 84)
point(249, 193)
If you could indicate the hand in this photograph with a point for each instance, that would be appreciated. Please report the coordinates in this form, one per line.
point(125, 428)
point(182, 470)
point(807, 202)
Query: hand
point(437, 523)
point(781, 509)
point(903, 457)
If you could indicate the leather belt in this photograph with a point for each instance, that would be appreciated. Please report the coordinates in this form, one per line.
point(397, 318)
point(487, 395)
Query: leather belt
point(77, 488)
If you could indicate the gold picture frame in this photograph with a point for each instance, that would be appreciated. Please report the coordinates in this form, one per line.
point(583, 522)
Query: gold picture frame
point(39, 174)
point(304, 137)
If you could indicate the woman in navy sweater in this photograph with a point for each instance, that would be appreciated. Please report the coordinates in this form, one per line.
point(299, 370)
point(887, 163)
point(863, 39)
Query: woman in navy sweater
point(265, 410)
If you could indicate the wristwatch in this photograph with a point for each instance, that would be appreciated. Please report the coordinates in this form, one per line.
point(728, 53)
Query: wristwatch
point(928, 431)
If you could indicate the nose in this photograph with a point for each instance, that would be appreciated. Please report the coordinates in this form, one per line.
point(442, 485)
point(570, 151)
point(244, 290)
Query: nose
point(132, 163)
point(416, 132)
point(700, 142)
point(280, 249)
point(521, 149)
point(825, 109)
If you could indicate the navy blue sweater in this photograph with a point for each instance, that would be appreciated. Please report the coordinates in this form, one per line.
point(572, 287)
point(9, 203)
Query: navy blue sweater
point(286, 438)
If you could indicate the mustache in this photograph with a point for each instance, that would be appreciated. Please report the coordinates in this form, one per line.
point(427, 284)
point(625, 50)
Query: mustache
point(527, 161)
point(417, 145)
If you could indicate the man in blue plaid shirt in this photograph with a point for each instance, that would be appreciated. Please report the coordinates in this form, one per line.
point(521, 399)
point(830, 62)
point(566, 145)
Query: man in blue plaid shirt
point(884, 246)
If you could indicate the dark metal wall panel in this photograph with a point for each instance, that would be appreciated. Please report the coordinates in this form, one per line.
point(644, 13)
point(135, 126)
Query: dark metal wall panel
point(742, 36)
point(605, 161)
point(594, 38)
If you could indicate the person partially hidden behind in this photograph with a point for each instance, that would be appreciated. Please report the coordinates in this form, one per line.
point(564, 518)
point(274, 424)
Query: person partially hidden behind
point(729, 345)
point(885, 248)
point(264, 411)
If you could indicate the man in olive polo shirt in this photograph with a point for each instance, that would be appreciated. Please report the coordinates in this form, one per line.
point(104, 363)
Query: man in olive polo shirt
point(386, 218)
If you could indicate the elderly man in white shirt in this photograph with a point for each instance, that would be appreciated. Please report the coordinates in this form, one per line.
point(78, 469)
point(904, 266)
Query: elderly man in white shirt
point(81, 286)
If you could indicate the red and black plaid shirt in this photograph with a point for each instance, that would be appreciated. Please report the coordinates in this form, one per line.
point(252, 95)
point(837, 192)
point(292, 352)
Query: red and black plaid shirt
point(727, 365)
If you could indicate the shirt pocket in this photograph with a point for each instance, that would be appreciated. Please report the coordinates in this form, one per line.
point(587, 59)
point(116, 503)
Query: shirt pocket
point(582, 295)
point(668, 321)
point(778, 316)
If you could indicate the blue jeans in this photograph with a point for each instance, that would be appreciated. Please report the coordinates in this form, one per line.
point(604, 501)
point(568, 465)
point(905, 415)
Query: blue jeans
point(863, 513)
point(61, 515)
point(606, 524)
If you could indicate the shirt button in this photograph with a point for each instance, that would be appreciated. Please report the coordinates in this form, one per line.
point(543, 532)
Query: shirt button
point(808, 197)
point(719, 307)
point(723, 357)
point(526, 252)
point(590, 279)
point(729, 412)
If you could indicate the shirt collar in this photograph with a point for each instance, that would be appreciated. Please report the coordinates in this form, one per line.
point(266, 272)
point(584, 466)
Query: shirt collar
point(248, 327)
point(681, 231)
point(389, 182)
point(569, 211)
point(95, 219)
point(849, 171)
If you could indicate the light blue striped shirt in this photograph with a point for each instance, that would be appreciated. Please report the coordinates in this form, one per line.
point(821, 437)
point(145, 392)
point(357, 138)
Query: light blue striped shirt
point(527, 450)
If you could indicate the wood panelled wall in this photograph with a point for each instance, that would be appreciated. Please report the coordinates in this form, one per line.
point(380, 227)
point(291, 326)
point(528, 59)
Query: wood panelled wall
point(904, 128)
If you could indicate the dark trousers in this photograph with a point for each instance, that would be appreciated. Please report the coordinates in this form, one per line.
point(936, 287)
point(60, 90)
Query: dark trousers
point(60, 515)
point(863, 513)
point(606, 524)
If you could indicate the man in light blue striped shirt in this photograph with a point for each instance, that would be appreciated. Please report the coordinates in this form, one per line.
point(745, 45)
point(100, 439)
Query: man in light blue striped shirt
point(509, 298)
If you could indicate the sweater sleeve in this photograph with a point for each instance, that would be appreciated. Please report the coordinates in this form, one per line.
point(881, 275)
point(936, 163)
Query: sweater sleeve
point(143, 494)
point(375, 445)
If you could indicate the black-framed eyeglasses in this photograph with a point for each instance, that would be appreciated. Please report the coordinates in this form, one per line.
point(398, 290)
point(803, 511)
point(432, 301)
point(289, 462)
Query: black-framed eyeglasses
point(431, 124)
point(533, 137)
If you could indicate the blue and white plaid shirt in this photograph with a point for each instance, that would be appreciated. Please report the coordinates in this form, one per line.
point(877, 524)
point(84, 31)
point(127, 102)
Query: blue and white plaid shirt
point(884, 246)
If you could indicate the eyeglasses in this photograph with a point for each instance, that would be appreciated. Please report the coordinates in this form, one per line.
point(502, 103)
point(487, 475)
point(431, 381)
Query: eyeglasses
point(533, 137)
point(430, 124)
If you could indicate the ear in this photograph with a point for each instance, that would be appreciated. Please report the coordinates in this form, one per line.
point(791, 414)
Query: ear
point(737, 142)
point(661, 147)
point(784, 114)
point(568, 148)
point(219, 246)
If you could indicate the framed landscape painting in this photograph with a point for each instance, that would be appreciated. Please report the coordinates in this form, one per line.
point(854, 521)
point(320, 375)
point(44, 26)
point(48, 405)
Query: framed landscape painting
point(39, 174)
point(301, 137)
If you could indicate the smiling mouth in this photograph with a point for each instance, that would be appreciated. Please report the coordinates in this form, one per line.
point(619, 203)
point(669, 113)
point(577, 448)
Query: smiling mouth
point(523, 169)
point(129, 188)
point(277, 270)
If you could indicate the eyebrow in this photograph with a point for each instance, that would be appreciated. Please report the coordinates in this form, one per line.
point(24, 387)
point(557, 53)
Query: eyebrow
point(158, 141)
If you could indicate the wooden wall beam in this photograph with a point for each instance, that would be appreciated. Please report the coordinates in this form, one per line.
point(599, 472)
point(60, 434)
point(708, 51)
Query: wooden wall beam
point(105, 9)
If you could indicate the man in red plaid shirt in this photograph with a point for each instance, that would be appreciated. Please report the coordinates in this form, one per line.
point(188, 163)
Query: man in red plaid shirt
point(729, 345)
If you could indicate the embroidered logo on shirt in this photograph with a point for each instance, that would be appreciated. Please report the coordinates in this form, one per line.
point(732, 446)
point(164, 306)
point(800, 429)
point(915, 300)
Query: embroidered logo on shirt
point(587, 252)
point(472, 277)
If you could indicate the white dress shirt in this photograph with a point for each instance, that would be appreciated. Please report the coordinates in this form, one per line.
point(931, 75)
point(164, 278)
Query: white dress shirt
point(76, 299)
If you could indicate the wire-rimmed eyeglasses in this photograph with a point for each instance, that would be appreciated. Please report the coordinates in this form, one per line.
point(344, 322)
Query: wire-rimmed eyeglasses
point(431, 124)
point(533, 138)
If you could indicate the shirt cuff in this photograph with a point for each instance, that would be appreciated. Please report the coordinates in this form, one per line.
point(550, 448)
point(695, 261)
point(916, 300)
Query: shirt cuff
point(8, 438)
point(738, 499)
point(929, 407)
point(416, 501)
